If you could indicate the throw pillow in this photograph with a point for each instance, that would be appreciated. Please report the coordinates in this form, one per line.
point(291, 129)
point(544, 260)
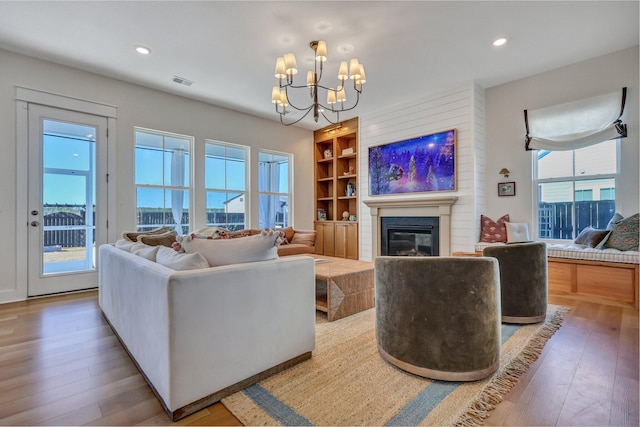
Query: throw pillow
point(180, 261)
point(145, 251)
point(591, 237)
point(239, 234)
point(260, 247)
point(288, 234)
point(517, 232)
point(493, 231)
point(624, 233)
point(132, 236)
point(165, 239)
point(212, 232)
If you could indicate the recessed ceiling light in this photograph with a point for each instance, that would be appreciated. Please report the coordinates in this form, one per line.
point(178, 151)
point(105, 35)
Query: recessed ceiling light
point(499, 42)
point(143, 50)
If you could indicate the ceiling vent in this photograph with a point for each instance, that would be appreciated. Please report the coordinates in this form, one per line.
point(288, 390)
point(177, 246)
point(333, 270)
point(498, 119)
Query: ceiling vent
point(182, 81)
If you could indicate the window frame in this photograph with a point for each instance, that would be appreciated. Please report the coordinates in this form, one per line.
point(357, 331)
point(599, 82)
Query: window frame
point(189, 189)
point(247, 180)
point(573, 179)
point(289, 195)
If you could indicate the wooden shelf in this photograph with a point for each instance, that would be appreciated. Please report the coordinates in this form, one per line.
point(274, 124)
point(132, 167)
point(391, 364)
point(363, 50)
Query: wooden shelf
point(327, 160)
point(329, 178)
point(348, 198)
point(347, 176)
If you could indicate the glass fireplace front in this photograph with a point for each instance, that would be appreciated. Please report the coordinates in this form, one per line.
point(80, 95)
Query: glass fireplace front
point(410, 236)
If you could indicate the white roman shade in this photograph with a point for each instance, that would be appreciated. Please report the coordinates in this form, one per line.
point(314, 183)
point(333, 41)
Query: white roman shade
point(576, 124)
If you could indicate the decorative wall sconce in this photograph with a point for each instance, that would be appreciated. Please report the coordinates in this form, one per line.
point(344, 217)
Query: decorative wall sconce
point(505, 172)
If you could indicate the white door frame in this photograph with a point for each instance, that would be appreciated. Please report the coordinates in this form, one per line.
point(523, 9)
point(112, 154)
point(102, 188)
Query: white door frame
point(24, 97)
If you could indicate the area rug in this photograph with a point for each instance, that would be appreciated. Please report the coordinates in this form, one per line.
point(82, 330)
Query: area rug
point(346, 382)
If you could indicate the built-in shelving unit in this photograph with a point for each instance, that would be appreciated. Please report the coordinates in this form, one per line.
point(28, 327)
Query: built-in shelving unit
point(336, 173)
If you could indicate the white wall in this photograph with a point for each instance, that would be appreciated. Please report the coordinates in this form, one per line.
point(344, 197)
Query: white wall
point(136, 106)
point(461, 109)
point(505, 127)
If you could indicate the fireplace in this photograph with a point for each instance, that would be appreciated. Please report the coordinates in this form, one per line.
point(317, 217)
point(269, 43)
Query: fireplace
point(438, 207)
point(410, 236)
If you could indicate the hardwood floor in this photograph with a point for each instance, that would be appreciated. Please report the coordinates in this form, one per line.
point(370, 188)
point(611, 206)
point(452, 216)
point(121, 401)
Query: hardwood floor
point(60, 364)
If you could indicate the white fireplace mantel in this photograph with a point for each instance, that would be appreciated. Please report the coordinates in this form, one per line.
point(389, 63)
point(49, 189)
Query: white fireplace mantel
point(428, 206)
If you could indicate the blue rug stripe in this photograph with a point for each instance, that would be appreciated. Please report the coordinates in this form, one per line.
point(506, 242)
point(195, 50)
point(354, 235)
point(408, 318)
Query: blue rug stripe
point(507, 331)
point(274, 407)
point(432, 395)
point(416, 410)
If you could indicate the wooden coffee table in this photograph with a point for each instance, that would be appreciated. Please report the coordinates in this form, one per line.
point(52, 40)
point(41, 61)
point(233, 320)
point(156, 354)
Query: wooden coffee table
point(343, 286)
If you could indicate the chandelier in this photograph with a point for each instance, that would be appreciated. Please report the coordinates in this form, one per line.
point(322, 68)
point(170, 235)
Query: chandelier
point(336, 97)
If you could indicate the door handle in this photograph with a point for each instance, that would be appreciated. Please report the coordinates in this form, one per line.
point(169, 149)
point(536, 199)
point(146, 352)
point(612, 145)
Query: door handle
point(34, 223)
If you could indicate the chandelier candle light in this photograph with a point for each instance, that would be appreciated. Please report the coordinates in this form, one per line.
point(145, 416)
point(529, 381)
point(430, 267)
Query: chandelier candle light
point(286, 68)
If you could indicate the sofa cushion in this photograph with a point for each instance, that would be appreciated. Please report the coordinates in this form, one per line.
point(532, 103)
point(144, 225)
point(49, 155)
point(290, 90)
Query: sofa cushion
point(260, 247)
point(125, 244)
point(165, 239)
point(591, 237)
point(296, 249)
point(624, 233)
point(304, 238)
point(132, 236)
point(145, 251)
point(180, 261)
point(517, 232)
point(493, 231)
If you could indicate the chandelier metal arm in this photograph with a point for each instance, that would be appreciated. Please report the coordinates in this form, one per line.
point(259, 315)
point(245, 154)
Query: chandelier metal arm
point(303, 116)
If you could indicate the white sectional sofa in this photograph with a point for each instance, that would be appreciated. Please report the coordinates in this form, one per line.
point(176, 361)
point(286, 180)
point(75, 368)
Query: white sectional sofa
point(200, 335)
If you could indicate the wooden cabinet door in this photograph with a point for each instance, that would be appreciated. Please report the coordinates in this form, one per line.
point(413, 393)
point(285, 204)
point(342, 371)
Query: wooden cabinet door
point(346, 238)
point(325, 238)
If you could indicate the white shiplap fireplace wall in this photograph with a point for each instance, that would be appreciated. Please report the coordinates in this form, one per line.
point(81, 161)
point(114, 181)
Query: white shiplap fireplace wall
point(461, 109)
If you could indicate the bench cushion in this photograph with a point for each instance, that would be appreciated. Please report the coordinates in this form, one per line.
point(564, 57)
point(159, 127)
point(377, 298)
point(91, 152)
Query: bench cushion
point(575, 251)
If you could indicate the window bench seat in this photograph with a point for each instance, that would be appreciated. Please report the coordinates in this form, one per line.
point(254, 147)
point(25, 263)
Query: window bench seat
point(607, 273)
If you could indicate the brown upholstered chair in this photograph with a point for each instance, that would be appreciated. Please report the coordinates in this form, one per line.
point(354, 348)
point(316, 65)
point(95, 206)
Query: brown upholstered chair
point(523, 280)
point(439, 317)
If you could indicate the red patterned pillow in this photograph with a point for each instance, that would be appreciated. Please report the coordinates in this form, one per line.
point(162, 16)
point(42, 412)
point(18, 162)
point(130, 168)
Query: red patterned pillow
point(493, 231)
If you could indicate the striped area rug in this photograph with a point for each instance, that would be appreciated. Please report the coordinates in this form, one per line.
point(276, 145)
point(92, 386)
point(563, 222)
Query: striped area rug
point(346, 382)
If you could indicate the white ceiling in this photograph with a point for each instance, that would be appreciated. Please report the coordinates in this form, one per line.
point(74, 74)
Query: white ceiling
point(229, 48)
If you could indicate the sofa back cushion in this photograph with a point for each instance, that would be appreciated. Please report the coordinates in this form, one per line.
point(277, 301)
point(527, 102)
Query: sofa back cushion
point(145, 251)
point(259, 247)
point(304, 238)
point(180, 261)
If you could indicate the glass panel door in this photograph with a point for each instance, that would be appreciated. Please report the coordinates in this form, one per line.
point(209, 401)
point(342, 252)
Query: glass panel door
point(63, 197)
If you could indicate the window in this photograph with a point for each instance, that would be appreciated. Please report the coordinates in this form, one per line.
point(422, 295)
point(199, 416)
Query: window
point(162, 171)
point(576, 189)
point(607, 194)
point(274, 187)
point(226, 184)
